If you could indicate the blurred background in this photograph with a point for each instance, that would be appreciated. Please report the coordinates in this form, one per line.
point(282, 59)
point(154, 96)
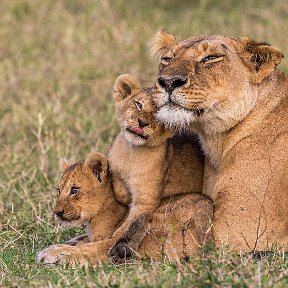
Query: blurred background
point(58, 62)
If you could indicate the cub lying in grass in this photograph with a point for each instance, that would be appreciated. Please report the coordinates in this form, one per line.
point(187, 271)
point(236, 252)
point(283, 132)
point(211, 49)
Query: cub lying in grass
point(86, 196)
point(147, 161)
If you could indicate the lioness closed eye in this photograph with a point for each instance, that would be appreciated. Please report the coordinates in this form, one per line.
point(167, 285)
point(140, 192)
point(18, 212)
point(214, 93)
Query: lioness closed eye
point(231, 94)
point(147, 162)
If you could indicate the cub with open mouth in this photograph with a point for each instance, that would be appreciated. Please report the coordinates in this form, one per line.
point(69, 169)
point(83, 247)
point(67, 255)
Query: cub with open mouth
point(148, 161)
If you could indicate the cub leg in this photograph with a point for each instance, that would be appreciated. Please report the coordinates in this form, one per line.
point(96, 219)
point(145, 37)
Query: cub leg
point(131, 238)
point(120, 190)
point(91, 253)
point(130, 234)
point(145, 188)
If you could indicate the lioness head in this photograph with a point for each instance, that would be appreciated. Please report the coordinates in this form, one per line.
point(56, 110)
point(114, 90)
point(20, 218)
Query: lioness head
point(83, 190)
point(211, 79)
point(135, 111)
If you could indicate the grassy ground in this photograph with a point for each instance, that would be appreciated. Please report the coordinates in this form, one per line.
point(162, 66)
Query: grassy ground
point(58, 62)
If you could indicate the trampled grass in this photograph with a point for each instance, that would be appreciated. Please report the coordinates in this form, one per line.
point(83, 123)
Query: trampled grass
point(58, 62)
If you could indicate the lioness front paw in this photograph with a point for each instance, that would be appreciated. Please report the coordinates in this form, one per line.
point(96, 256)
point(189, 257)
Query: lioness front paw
point(120, 253)
point(57, 254)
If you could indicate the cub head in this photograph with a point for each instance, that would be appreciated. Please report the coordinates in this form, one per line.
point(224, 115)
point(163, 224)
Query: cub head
point(135, 111)
point(209, 79)
point(83, 190)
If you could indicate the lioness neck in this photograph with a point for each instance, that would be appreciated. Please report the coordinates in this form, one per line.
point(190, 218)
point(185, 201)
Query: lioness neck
point(252, 105)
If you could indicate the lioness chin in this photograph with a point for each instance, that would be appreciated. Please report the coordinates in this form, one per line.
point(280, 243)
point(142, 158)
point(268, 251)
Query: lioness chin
point(229, 91)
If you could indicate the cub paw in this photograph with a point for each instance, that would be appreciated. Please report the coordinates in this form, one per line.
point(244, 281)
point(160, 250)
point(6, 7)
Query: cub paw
point(49, 255)
point(121, 253)
point(56, 254)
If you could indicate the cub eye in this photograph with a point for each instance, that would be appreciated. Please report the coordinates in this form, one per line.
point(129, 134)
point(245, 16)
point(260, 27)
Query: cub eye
point(212, 58)
point(74, 190)
point(58, 190)
point(138, 105)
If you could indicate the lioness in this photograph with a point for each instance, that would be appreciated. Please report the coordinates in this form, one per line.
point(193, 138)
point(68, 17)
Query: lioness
point(146, 162)
point(229, 91)
point(86, 196)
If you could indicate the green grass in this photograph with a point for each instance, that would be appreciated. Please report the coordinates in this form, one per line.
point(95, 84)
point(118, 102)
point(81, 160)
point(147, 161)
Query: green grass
point(58, 62)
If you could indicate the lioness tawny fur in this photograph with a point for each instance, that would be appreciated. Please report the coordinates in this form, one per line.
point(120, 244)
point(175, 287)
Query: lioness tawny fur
point(230, 92)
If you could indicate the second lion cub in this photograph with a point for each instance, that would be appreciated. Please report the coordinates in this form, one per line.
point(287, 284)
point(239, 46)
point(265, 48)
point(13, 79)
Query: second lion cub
point(147, 162)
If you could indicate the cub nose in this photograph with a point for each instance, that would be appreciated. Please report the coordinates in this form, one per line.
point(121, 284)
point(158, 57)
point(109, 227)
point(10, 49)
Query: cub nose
point(170, 83)
point(142, 123)
point(59, 213)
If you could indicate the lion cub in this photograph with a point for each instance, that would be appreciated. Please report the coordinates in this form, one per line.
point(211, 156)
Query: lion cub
point(86, 196)
point(147, 161)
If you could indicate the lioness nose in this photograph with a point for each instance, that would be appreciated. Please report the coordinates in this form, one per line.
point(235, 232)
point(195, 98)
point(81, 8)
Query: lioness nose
point(169, 84)
point(59, 213)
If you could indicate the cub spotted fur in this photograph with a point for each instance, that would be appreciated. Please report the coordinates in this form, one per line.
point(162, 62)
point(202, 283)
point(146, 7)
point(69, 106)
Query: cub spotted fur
point(147, 163)
point(230, 92)
point(86, 196)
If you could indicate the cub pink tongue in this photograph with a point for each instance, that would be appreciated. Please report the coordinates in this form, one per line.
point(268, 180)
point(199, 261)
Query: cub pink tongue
point(138, 131)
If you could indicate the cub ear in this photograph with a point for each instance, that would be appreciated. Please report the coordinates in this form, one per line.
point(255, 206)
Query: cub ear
point(260, 57)
point(125, 85)
point(161, 43)
point(97, 164)
point(65, 164)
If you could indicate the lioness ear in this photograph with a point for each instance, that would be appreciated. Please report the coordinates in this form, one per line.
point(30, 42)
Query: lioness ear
point(260, 57)
point(161, 43)
point(97, 163)
point(64, 164)
point(125, 85)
